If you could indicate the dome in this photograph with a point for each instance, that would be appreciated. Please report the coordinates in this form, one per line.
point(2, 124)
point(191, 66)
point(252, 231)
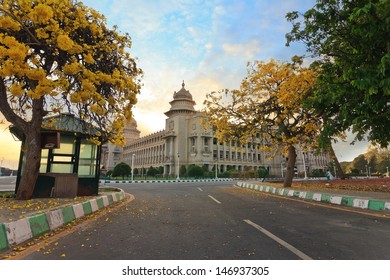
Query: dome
point(182, 102)
point(133, 123)
point(182, 93)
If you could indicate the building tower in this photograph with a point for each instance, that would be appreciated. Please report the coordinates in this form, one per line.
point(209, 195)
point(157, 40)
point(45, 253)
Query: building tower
point(182, 109)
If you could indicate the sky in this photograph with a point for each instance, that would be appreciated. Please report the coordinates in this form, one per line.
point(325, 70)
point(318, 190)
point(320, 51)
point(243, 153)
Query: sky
point(205, 43)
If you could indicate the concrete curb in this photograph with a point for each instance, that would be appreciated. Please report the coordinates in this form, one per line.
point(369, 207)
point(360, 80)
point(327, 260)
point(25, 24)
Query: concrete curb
point(162, 181)
point(361, 203)
point(17, 232)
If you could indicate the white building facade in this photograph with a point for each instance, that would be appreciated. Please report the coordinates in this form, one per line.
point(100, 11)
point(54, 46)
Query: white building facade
point(185, 141)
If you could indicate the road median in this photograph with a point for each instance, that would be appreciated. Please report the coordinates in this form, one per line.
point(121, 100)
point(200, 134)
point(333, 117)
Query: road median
point(360, 201)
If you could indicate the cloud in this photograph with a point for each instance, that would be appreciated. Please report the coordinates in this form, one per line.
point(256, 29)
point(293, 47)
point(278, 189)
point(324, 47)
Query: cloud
point(248, 49)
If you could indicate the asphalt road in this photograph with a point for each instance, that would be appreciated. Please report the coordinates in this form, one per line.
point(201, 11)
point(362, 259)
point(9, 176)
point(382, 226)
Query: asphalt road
point(7, 183)
point(216, 221)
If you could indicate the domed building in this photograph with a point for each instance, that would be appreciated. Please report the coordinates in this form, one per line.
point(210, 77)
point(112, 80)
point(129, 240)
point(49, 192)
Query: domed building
point(185, 141)
point(111, 154)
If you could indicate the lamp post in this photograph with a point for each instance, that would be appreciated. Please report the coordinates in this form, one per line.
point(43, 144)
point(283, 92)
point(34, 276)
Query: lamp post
point(132, 167)
point(281, 168)
point(178, 166)
point(367, 170)
point(304, 164)
point(216, 168)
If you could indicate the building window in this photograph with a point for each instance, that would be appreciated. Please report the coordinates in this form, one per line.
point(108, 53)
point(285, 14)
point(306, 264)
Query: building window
point(193, 144)
point(206, 144)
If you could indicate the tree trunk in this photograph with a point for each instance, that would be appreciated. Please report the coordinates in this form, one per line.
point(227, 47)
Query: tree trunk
point(339, 170)
point(292, 157)
point(31, 166)
point(33, 149)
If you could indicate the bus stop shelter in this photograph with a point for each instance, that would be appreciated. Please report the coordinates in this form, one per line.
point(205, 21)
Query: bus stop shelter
point(70, 162)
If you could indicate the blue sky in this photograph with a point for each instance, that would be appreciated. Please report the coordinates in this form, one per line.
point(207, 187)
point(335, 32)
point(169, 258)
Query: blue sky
point(205, 43)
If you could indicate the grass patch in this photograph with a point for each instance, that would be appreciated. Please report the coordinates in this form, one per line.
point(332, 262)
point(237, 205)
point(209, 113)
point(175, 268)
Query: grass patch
point(104, 190)
point(7, 194)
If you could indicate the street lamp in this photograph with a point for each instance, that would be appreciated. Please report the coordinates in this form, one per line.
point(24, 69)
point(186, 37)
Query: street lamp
point(281, 168)
point(216, 168)
point(132, 166)
point(304, 164)
point(178, 166)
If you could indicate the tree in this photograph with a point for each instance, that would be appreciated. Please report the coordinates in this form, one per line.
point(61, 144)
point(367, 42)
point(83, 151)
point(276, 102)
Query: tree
point(59, 56)
point(195, 171)
point(182, 170)
point(359, 163)
point(350, 41)
point(152, 171)
point(270, 103)
point(121, 169)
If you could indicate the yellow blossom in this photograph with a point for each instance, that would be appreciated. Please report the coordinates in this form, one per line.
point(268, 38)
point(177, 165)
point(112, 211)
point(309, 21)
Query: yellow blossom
point(16, 89)
point(84, 96)
point(75, 97)
point(36, 74)
point(64, 42)
point(33, 94)
point(8, 23)
point(88, 58)
point(72, 68)
point(88, 86)
point(42, 34)
point(41, 13)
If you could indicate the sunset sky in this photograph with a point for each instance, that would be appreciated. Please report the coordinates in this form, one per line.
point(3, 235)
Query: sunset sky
point(205, 43)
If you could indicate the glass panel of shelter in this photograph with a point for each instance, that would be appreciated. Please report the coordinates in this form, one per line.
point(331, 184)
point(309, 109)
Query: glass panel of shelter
point(62, 160)
point(65, 158)
point(87, 159)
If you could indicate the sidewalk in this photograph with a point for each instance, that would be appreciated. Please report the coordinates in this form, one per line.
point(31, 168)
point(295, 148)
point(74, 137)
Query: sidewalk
point(21, 221)
point(377, 201)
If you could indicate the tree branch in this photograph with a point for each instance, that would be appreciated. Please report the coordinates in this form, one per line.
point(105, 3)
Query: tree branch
point(7, 111)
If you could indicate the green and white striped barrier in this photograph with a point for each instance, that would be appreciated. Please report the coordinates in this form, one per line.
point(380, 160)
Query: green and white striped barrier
point(17, 232)
point(164, 181)
point(321, 197)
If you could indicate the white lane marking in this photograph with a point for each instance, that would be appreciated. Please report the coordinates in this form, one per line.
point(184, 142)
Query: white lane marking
point(200, 189)
point(219, 202)
point(294, 250)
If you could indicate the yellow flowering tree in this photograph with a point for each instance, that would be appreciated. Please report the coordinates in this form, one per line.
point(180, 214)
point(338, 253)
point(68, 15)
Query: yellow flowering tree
point(268, 105)
point(60, 56)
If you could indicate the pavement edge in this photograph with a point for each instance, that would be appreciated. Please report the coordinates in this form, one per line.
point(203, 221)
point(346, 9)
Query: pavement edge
point(361, 203)
point(17, 232)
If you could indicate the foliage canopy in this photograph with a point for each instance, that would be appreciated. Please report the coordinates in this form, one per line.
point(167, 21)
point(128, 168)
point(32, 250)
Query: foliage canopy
point(350, 41)
point(121, 169)
point(268, 106)
point(59, 56)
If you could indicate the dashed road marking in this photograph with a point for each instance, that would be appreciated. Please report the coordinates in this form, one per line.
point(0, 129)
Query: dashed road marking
point(291, 248)
point(219, 202)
